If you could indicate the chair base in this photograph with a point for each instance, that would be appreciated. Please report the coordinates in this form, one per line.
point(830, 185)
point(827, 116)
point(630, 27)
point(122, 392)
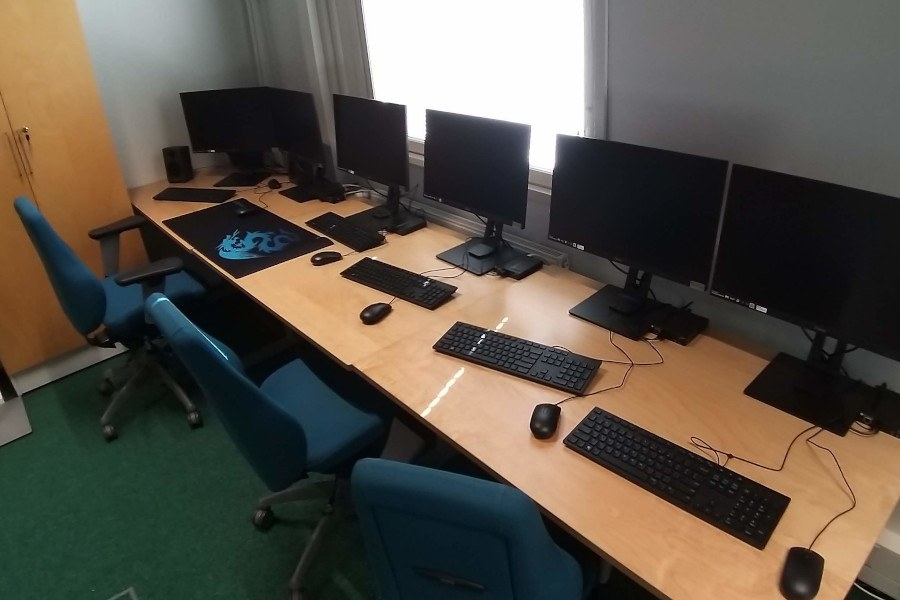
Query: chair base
point(120, 383)
point(335, 490)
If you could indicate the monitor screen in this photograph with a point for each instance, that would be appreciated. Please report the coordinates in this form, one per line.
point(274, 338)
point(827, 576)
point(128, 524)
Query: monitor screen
point(817, 254)
point(477, 164)
point(371, 139)
point(233, 120)
point(296, 124)
point(654, 210)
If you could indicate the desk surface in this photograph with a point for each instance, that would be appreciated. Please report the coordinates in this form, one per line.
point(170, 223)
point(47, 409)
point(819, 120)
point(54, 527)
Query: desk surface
point(696, 392)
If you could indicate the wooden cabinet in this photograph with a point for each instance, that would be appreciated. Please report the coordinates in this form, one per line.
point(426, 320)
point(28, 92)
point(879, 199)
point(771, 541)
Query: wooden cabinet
point(56, 149)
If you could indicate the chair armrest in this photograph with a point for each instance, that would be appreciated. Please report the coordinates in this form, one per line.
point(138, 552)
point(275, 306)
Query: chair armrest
point(132, 222)
point(154, 271)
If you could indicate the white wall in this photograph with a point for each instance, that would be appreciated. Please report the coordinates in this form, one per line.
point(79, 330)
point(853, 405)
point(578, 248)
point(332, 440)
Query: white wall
point(146, 51)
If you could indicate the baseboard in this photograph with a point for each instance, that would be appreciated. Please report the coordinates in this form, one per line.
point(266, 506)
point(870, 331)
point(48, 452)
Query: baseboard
point(13, 420)
point(57, 368)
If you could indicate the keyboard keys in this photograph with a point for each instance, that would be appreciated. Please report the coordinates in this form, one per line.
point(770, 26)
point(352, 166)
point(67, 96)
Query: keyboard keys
point(549, 366)
point(738, 506)
point(401, 283)
point(337, 227)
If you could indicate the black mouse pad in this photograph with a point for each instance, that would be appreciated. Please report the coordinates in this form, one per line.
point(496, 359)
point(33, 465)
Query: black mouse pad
point(242, 245)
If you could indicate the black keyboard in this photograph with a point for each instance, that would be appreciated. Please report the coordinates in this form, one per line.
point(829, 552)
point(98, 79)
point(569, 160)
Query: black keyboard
point(548, 365)
point(337, 227)
point(401, 283)
point(738, 506)
point(194, 194)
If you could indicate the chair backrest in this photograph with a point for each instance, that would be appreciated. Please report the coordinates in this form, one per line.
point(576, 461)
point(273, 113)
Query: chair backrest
point(79, 291)
point(439, 535)
point(272, 442)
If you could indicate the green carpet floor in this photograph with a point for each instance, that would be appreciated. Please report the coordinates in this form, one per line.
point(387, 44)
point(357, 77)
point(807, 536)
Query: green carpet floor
point(163, 510)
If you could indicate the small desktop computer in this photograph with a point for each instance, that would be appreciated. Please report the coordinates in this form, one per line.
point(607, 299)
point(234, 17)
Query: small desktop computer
point(479, 165)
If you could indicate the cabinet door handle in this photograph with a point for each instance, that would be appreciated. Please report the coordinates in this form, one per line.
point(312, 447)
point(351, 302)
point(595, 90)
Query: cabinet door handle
point(14, 154)
point(25, 158)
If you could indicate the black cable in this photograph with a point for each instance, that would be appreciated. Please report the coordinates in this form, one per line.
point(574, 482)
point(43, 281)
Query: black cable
point(618, 268)
point(703, 446)
point(847, 483)
point(631, 364)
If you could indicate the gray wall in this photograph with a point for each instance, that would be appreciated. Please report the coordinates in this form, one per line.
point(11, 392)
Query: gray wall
point(146, 51)
point(808, 87)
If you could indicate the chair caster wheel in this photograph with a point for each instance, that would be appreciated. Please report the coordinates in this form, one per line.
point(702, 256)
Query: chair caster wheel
point(263, 519)
point(194, 419)
point(110, 433)
point(106, 387)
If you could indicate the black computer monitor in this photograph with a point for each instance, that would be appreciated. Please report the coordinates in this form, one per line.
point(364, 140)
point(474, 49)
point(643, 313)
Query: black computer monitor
point(298, 135)
point(655, 211)
point(372, 143)
point(479, 165)
point(235, 121)
point(296, 125)
point(822, 256)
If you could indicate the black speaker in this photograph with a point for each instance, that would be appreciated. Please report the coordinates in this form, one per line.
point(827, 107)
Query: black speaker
point(178, 164)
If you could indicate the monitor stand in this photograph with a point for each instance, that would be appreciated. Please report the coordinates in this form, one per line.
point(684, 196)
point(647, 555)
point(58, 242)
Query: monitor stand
point(814, 389)
point(311, 183)
point(482, 255)
point(627, 311)
point(251, 170)
point(392, 216)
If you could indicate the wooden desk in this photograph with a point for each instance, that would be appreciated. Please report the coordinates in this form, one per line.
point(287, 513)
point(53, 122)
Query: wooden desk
point(696, 392)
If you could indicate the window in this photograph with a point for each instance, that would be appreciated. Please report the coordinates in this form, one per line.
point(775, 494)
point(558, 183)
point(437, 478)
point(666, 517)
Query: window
point(504, 59)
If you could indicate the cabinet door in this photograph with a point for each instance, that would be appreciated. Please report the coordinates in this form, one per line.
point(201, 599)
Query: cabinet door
point(32, 325)
point(48, 86)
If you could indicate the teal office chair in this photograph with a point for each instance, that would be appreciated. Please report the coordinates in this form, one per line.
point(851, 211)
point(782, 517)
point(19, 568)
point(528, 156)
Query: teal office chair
point(444, 536)
point(292, 424)
point(111, 310)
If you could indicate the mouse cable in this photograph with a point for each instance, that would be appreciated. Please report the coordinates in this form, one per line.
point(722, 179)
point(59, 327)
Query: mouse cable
point(868, 593)
point(461, 271)
point(631, 364)
point(810, 441)
point(706, 448)
point(703, 446)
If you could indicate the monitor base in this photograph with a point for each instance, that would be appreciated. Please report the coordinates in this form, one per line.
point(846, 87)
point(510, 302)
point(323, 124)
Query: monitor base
point(379, 218)
point(242, 179)
point(461, 256)
point(326, 191)
point(612, 309)
point(830, 401)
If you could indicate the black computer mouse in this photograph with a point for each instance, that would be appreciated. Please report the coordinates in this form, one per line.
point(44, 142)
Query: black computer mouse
point(544, 420)
point(274, 184)
point(243, 207)
point(373, 313)
point(324, 258)
point(802, 574)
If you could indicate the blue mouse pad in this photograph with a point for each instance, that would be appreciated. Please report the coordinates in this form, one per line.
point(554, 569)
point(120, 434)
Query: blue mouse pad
point(242, 245)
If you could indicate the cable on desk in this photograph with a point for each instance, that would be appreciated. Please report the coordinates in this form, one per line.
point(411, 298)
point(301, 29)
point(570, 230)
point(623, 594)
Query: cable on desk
point(706, 448)
point(631, 364)
point(847, 483)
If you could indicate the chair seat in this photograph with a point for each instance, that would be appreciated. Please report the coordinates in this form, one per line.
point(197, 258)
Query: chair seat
point(125, 304)
point(335, 429)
